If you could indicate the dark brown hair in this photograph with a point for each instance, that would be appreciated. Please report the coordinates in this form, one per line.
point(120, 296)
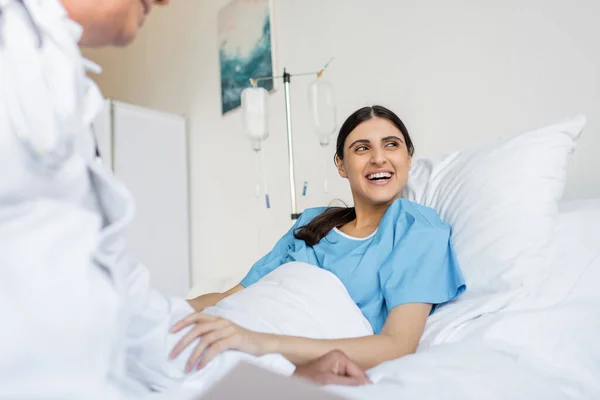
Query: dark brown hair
point(335, 217)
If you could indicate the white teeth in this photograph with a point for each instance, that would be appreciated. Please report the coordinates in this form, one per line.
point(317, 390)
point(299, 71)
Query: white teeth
point(379, 175)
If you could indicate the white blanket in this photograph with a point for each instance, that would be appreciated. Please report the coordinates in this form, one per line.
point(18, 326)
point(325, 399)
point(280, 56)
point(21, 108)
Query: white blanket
point(295, 299)
point(299, 299)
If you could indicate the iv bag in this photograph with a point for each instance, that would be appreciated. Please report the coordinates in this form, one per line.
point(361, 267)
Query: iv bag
point(321, 101)
point(254, 115)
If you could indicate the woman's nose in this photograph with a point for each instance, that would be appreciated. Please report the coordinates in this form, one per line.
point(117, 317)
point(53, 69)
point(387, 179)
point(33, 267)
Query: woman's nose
point(378, 157)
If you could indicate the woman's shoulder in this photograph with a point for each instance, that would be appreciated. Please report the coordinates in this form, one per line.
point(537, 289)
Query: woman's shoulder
point(420, 213)
point(309, 214)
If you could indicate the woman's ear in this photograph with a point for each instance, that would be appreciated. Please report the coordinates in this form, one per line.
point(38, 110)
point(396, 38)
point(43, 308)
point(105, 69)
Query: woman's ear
point(340, 167)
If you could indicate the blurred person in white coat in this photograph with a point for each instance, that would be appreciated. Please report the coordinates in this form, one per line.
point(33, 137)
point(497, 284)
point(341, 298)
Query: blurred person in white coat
point(79, 320)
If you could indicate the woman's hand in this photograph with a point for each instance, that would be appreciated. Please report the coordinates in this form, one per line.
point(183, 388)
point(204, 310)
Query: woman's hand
point(216, 335)
point(333, 368)
point(210, 299)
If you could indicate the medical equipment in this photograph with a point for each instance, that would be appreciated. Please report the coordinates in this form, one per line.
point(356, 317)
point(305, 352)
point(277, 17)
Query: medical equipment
point(43, 123)
point(256, 124)
point(254, 111)
point(321, 99)
point(255, 117)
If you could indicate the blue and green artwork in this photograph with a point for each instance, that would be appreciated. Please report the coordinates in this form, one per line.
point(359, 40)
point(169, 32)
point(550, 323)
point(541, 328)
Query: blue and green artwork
point(245, 48)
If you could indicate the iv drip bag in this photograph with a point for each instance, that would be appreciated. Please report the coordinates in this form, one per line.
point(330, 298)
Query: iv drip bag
point(255, 115)
point(321, 101)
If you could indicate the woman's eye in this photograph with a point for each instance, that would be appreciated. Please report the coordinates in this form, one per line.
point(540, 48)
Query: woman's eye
point(392, 144)
point(361, 148)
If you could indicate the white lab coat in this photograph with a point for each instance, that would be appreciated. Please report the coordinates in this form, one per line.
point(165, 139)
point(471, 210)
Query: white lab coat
point(79, 320)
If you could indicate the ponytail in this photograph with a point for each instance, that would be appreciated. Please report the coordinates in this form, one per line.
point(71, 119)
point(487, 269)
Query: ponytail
point(322, 224)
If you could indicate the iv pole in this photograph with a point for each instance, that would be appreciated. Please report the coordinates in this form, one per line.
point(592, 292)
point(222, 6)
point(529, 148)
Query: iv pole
point(288, 119)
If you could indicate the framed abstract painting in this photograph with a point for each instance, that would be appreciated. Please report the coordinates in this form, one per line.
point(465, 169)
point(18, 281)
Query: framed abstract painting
point(245, 37)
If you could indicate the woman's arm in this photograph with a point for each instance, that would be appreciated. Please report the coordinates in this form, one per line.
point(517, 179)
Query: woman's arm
point(400, 335)
point(210, 299)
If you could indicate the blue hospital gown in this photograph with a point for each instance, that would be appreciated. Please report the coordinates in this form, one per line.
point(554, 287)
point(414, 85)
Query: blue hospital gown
point(408, 259)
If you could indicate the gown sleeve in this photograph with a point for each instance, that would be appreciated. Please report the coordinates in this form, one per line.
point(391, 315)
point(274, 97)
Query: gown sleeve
point(422, 266)
point(279, 254)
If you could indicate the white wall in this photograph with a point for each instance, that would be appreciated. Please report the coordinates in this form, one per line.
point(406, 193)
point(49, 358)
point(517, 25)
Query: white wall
point(457, 72)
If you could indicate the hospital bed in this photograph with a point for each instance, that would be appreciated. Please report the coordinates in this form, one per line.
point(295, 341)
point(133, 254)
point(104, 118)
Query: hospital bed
point(527, 326)
point(539, 346)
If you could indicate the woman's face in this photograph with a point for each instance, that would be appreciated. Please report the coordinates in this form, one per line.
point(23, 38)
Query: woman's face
point(376, 162)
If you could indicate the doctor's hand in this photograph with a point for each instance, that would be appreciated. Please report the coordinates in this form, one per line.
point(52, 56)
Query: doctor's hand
point(216, 335)
point(333, 368)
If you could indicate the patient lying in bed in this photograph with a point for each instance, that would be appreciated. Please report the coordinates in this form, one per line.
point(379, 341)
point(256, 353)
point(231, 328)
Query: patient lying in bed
point(392, 258)
point(470, 349)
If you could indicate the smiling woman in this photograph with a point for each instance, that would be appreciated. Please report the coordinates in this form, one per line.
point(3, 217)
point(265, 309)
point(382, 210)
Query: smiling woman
point(394, 257)
point(374, 152)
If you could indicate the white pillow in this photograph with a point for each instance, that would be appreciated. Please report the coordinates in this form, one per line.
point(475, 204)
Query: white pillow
point(501, 200)
point(555, 328)
point(573, 260)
